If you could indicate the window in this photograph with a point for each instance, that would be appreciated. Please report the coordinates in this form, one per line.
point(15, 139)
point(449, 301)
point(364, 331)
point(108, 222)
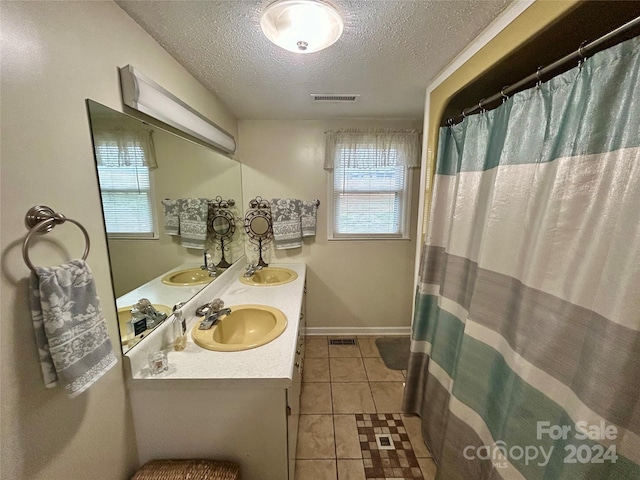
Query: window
point(369, 200)
point(369, 184)
point(125, 159)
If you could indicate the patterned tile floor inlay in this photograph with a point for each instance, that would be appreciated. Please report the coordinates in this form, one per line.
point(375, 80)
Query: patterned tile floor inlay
point(351, 426)
point(382, 460)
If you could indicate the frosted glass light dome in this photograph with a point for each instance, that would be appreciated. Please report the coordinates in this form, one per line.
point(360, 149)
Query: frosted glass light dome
point(302, 26)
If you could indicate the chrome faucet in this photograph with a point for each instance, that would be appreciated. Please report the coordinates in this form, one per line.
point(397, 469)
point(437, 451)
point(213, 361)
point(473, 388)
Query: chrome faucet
point(213, 318)
point(213, 271)
point(252, 268)
point(144, 309)
point(213, 311)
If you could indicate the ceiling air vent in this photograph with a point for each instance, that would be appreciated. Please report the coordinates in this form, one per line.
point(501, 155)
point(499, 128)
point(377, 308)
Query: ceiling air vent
point(334, 98)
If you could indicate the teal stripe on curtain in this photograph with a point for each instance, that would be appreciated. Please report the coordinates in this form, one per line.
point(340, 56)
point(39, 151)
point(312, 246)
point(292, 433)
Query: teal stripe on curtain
point(443, 331)
point(554, 173)
point(487, 384)
point(426, 306)
point(448, 160)
point(581, 98)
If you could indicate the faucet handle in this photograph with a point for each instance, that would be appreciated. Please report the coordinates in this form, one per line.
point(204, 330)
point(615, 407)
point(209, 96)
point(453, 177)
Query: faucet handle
point(142, 304)
point(203, 310)
point(252, 267)
point(217, 304)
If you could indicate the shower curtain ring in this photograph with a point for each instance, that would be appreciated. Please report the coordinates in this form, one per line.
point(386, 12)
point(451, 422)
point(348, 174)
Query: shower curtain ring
point(505, 97)
point(538, 77)
point(581, 53)
point(482, 109)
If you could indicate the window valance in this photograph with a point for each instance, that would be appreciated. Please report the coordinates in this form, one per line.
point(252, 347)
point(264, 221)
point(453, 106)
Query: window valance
point(379, 148)
point(118, 147)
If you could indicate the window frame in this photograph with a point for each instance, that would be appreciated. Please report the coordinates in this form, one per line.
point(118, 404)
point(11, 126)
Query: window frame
point(405, 208)
point(155, 234)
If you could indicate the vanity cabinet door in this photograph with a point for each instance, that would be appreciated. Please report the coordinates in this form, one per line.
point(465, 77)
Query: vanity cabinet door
point(293, 398)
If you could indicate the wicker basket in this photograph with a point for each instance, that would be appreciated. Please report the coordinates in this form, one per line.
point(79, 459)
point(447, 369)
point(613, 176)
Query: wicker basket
point(188, 470)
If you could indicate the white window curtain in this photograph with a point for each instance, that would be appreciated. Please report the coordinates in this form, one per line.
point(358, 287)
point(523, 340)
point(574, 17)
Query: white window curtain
point(119, 147)
point(370, 184)
point(125, 159)
point(388, 147)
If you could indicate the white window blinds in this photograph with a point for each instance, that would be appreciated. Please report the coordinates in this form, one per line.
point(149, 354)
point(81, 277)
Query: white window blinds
point(126, 186)
point(368, 200)
point(370, 194)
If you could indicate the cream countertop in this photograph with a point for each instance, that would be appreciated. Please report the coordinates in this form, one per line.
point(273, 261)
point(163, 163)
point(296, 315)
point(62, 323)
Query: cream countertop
point(269, 366)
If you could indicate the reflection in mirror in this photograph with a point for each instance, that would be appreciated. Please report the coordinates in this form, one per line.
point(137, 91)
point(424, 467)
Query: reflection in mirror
point(222, 227)
point(138, 167)
point(258, 226)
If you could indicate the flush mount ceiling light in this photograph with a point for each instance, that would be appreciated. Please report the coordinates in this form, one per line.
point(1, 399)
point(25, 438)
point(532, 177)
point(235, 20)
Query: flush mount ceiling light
point(301, 26)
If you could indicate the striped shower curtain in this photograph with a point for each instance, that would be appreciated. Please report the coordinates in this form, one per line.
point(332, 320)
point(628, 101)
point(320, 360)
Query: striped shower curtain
point(525, 352)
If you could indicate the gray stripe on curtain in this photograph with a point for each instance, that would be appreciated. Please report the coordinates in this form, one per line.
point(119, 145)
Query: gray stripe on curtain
point(458, 434)
point(567, 337)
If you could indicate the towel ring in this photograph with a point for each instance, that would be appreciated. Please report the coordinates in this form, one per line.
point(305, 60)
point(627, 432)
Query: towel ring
point(41, 219)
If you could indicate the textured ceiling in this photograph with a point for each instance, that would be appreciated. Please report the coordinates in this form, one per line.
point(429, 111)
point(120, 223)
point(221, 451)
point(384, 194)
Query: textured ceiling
point(388, 53)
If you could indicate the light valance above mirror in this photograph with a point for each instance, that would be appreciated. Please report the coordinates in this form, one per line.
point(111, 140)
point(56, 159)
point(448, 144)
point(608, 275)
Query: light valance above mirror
point(145, 95)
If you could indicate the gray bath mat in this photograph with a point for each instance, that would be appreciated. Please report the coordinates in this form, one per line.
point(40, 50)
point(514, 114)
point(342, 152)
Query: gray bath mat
point(394, 351)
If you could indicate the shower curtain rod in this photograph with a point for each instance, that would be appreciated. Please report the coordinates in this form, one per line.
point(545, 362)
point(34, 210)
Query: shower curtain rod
point(585, 50)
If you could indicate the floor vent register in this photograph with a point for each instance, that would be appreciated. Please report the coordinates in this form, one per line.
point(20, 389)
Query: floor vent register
point(342, 341)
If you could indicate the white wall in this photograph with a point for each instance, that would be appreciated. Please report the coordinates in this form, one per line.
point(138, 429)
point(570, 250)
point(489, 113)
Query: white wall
point(54, 56)
point(349, 283)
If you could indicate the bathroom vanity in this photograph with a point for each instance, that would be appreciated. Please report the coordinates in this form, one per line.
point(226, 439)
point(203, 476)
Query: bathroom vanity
point(237, 405)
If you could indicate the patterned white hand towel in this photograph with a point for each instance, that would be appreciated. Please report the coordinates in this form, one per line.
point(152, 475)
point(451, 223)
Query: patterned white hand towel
point(287, 227)
point(194, 213)
point(308, 218)
point(171, 216)
point(71, 332)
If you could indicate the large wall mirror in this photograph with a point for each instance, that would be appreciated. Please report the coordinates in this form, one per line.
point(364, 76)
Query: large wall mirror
point(141, 170)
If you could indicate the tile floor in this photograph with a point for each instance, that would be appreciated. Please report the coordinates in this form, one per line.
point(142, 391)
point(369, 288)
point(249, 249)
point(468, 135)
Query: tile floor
point(343, 385)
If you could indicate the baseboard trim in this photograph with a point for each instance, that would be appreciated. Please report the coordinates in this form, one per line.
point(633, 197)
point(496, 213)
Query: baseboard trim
point(362, 331)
